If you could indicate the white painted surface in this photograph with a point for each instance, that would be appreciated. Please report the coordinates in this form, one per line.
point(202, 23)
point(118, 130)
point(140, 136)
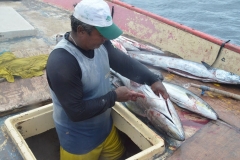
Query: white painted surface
point(39, 120)
point(13, 25)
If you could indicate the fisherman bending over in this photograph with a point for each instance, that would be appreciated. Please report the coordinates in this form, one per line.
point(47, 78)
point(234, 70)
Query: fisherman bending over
point(77, 73)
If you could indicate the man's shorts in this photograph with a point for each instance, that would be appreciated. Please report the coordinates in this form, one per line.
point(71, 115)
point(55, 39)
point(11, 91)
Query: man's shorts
point(111, 149)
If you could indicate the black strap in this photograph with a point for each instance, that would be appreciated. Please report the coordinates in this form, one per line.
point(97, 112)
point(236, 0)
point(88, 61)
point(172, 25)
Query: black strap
point(112, 11)
point(222, 45)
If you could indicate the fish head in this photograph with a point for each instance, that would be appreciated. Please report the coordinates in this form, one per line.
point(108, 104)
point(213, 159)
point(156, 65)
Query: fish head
point(226, 77)
point(163, 123)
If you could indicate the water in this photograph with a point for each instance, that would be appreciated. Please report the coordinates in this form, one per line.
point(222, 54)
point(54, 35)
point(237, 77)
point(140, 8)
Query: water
point(220, 19)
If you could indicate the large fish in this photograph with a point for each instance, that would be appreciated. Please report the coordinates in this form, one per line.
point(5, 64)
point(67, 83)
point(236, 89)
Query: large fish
point(186, 68)
point(188, 100)
point(159, 112)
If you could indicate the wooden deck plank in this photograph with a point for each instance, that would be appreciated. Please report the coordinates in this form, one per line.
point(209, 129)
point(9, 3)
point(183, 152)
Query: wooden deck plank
point(216, 140)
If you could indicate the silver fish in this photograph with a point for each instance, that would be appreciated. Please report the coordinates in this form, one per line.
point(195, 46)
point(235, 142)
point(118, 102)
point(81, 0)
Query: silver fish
point(186, 68)
point(159, 112)
point(141, 46)
point(188, 100)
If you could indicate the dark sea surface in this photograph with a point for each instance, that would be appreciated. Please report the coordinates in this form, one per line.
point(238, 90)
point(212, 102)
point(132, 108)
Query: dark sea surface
point(217, 18)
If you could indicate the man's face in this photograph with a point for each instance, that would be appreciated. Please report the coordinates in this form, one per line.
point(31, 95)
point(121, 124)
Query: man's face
point(93, 41)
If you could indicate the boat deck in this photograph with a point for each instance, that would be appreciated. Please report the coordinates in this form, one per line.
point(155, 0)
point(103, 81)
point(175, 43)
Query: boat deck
point(204, 139)
point(214, 139)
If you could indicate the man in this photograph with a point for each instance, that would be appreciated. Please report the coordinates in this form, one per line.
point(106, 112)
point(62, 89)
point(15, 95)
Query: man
point(77, 73)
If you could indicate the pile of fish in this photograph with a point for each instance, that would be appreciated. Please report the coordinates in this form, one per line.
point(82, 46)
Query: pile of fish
point(154, 57)
point(160, 113)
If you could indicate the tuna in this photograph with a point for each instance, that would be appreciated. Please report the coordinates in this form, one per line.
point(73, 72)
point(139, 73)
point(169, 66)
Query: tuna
point(160, 112)
point(188, 100)
point(194, 70)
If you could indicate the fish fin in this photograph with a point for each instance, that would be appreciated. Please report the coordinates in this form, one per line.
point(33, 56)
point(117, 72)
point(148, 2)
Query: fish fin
point(206, 65)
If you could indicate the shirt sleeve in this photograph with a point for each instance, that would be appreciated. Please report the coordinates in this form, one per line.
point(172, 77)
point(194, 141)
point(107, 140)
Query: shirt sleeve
point(129, 67)
point(64, 78)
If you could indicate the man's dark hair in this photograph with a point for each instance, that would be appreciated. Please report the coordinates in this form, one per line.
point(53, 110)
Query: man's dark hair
point(75, 23)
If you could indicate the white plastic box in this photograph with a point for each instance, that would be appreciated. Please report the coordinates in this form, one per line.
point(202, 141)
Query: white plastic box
point(40, 120)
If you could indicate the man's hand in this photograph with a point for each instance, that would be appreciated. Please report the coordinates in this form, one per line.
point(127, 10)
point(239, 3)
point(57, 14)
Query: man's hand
point(124, 94)
point(158, 88)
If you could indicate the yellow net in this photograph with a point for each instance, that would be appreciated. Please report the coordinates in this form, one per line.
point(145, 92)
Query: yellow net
point(28, 67)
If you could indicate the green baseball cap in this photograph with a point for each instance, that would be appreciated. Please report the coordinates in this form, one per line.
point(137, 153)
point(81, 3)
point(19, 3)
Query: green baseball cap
point(97, 13)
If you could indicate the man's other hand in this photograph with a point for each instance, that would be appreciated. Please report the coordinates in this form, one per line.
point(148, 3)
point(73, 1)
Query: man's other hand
point(124, 94)
point(158, 88)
